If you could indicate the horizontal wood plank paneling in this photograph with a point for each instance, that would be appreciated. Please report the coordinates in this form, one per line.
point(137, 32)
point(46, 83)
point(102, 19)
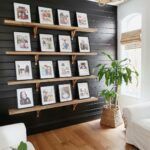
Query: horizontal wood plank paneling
point(103, 18)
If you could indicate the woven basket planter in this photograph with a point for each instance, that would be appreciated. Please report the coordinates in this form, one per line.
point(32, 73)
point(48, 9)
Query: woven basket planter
point(111, 117)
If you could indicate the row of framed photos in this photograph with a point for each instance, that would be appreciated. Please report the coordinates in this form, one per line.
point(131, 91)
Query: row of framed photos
point(25, 95)
point(23, 14)
point(23, 42)
point(24, 69)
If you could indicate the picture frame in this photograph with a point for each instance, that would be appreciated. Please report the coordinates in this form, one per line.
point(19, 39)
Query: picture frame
point(64, 68)
point(65, 43)
point(47, 43)
point(84, 46)
point(48, 95)
point(64, 17)
point(45, 15)
point(46, 69)
point(65, 92)
point(22, 41)
point(83, 68)
point(22, 12)
point(23, 70)
point(25, 98)
point(82, 20)
point(83, 90)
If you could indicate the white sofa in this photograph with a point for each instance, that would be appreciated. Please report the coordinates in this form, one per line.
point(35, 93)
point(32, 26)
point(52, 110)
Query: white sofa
point(12, 135)
point(138, 125)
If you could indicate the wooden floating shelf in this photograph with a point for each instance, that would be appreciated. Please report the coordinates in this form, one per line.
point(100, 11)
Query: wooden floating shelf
point(35, 27)
point(37, 54)
point(38, 81)
point(56, 105)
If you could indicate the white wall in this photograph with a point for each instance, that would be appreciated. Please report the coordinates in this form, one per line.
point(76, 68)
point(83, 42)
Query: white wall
point(138, 6)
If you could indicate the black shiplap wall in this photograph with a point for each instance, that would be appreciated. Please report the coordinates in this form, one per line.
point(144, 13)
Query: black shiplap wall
point(103, 18)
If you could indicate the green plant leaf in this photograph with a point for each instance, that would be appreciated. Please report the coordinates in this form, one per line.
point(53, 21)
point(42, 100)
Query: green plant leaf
point(22, 146)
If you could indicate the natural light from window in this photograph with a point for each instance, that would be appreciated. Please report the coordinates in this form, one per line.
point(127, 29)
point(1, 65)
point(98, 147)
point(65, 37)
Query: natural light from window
point(131, 23)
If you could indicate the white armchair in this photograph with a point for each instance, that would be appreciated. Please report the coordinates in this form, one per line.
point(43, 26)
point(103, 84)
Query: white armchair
point(138, 125)
point(12, 135)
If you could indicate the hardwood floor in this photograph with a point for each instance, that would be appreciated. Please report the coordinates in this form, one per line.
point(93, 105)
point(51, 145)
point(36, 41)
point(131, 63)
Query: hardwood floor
point(85, 136)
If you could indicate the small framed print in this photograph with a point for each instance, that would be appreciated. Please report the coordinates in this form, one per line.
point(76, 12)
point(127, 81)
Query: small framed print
point(83, 90)
point(83, 68)
point(65, 43)
point(23, 70)
point(65, 93)
point(22, 12)
point(64, 17)
point(46, 69)
point(48, 95)
point(82, 20)
point(47, 43)
point(45, 15)
point(84, 45)
point(64, 68)
point(25, 98)
point(22, 41)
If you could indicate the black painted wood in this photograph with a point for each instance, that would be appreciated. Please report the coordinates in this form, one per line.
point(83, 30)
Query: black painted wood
point(104, 18)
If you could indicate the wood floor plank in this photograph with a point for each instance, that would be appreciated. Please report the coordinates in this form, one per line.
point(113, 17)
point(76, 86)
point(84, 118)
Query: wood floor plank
point(85, 136)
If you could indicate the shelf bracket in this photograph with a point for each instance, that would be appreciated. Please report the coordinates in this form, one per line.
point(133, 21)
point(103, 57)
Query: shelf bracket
point(74, 58)
point(73, 33)
point(38, 113)
point(37, 87)
point(74, 83)
point(35, 29)
point(74, 106)
point(36, 59)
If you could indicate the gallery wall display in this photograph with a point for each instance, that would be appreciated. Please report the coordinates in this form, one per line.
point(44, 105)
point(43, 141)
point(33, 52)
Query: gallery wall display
point(25, 98)
point(82, 20)
point(22, 41)
point(64, 68)
point(46, 69)
point(83, 68)
point(84, 45)
point(23, 70)
point(64, 17)
point(47, 43)
point(48, 95)
point(46, 15)
point(65, 43)
point(22, 12)
point(83, 90)
point(65, 92)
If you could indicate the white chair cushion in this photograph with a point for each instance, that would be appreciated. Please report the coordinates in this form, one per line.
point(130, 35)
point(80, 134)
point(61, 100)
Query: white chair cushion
point(138, 134)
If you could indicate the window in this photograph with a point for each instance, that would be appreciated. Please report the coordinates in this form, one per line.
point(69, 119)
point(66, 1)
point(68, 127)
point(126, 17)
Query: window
point(131, 23)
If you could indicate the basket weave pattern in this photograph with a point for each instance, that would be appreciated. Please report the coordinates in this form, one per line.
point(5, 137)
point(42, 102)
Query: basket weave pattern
point(111, 117)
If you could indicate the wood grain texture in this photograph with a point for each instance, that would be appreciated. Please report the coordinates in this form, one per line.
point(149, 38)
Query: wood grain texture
point(104, 40)
point(85, 136)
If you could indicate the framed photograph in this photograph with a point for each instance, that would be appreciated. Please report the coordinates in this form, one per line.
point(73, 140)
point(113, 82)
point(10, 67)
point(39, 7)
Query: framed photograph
point(83, 90)
point(45, 15)
point(23, 70)
point(22, 41)
point(64, 68)
point(48, 95)
point(64, 17)
point(25, 98)
point(65, 43)
point(84, 45)
point(83, 68)
point(47, 43)
point(22, 12)
point(82, 20)
point(46, 69)
point(65, 93)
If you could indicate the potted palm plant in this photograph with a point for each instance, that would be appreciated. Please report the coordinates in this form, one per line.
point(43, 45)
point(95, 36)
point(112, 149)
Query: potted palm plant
point(115, 74)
